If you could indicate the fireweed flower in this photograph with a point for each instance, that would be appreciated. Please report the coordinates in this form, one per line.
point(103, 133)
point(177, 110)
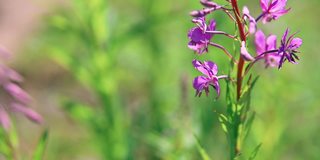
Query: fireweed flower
point(266, 49)
point(288, 48)
point(210, 78)
point(19, 99)
point(198, 36)
point(272, 10)
point(267, 44)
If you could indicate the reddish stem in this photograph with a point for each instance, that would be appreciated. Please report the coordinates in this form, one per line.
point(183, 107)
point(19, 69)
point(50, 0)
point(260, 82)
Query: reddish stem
point(243, 38)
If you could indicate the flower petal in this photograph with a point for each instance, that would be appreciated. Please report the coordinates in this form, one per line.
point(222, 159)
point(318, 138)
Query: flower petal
point(216, 87)
point(212, 25)
point(295, 43)
point(211, 66)
point(245, 10)
point(197, 47)
point(199, 84)
point(271, 42)
point(284, 37)
point(196, 34)
point(279, 6)
point(264, 5)
point(272, 60)
point(260, 42)
point(208, 68)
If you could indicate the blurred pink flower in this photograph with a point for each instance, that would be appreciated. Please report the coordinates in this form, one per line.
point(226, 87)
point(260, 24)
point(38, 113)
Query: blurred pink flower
point(20, 99)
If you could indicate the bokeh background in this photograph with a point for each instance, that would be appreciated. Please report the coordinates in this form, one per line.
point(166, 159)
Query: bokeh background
point(113, 80)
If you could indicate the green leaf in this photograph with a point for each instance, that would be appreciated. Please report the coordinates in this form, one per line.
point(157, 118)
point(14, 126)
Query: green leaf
point(224, 122)
point(4, 147)
point(41, 147)
point(13, 138)
point(248, 124)
point(201, 150)
point(254, 152)
point(78, 111)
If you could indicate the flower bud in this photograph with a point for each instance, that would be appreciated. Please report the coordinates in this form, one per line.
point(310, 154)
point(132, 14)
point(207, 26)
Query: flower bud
point(244, 52)
point(208, 3)
point(201, 13)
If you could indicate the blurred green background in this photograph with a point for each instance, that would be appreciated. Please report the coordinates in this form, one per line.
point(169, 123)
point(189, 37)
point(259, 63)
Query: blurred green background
point(113, 80)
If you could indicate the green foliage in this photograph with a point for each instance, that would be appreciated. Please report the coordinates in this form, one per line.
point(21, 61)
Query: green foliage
point(202, 151)
point(8, 142)
point(254, 152)
point(41, 147)
point(91, 52)
point(5, 149)
point(78, 111)
point(89, 58)
point(237, 121)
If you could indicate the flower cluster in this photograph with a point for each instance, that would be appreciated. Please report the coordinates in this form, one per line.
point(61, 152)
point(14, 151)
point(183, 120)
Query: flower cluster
point(18, 98)
point(273, 55)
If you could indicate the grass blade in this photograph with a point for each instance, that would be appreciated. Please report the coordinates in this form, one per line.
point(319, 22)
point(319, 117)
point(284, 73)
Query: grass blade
point(41, 147)
point(201, 150)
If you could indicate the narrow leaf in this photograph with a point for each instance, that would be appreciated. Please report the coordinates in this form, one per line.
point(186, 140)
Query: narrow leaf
point(254, 152)
point(41, 147)
point(224, 122)
point(201, 150)
point(248, 124)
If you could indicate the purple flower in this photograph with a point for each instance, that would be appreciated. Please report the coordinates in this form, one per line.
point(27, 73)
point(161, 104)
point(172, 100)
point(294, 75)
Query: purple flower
point(198, 36)
point(264, 45)
point(252, 21)
point(210, 78)
point(272, 10)
point(288, 48)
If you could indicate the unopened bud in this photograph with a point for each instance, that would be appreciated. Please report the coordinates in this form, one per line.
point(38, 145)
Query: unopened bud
point(244, 52)
point(207, 3)
point(201, 13)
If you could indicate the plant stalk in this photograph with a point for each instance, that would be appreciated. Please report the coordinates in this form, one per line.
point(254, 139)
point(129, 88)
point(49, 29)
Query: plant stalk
point(235, 147)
